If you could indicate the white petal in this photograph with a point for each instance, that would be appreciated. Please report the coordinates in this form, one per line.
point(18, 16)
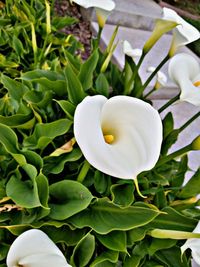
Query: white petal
point(184, 33)
point(43, 260)
point(184, 70)
point(161, 77)
point(32, 242)
point(194, 245)
point(128, 50)
point(137, 129)
point(108, 5)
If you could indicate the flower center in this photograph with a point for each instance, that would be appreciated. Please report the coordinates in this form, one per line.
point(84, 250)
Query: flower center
point(109, 138)
point(197, 83)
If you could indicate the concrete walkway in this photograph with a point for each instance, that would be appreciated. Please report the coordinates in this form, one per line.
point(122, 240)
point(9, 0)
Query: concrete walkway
point(136, 19)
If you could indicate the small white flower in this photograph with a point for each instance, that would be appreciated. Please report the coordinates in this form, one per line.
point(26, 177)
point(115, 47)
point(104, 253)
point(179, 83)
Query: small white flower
point(120, 136)
point(184, 33)
point(161, 78)
point(34, 248)
point(184, 70)
point(129, 51)
point(103, 8)
point(194, 245)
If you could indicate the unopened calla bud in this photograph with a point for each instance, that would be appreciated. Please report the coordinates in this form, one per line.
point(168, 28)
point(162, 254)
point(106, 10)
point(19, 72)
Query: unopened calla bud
point(196, 143)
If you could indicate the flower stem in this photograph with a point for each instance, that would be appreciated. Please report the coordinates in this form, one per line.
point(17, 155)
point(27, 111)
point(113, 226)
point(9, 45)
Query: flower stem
point(138, 189)
point(171, 101)
point(173, 155)
point(185, 125)
point(155, 71)
point(83, 172)
point(135, 72)
point(150, 92)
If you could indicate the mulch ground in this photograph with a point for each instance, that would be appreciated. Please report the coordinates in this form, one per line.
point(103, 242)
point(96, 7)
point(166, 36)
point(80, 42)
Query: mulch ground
point(80, 30)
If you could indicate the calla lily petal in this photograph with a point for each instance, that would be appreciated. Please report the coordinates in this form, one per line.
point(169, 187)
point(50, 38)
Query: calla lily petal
point(194, 245)
point(184, 70)
point(102, 7)
point(160, 76)
point(34, 248)
point(184, 33)
point(129, 51)
point(136, 129)
point(108, 5)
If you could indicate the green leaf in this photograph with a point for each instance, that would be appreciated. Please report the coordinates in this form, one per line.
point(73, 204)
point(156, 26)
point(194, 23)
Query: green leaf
point(44, 133)
point(74, 87)
point(173, 220)
point(102, 85)
point(168, 124)
point(61, 22)
point(18, 46)
point(67, 107)
point(103, 216)
point(87, 70)
point(24, 194)
point(135, 235)
point(68, 198)
point(50, 80)
point(104, 258)
point(115, 240)
point(172, 257)
point(123, 194)
point(15, 89)
point(192, 188)
point(83, 251)
point(23, 121)
point(56, 165)
point(158, 244)
point(64, 234)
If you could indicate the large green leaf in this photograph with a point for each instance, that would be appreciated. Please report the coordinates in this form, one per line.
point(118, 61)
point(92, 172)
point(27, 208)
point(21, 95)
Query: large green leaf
point(87, 69)
point(83, 251)
point(44, 133)
point(50, 80)
point(192, 188)
point(107, 256)
point(16, 89)
point(103, 216)
point(115, 240)
point(68, 198)
point(74, 86)
point(24, 194)
point(173, 220)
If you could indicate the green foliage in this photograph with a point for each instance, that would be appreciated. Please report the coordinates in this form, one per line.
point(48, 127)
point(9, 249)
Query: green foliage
point(103, 221)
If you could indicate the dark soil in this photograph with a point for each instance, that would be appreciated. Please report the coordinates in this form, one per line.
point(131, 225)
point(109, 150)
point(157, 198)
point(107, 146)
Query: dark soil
point(80, 30)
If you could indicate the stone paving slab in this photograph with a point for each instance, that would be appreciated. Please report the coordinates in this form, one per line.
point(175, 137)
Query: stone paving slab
point(182, 112)
point(137, 38)
point(135, 14)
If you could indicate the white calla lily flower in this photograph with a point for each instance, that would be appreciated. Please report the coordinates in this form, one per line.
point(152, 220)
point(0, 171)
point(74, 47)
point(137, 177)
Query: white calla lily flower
point(184, 70)
point(161, 78)
point(129, 51)
point(120, 136)
point(194, 245)
point(34, 248)
point(103, 8)
point(184, 33)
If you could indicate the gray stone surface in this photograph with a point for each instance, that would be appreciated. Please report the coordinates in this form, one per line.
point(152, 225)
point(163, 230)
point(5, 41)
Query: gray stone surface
point(135, 14)
point(136, 20)
point(182, 112)
point(137, 38)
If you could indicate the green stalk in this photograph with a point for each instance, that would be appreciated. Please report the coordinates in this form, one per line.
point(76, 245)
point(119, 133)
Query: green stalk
point(135, 71)
point(174, 155)
point(185, 125)
point(83, 172)
point(150, 92)
point(155, 71)
point(171, 101)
